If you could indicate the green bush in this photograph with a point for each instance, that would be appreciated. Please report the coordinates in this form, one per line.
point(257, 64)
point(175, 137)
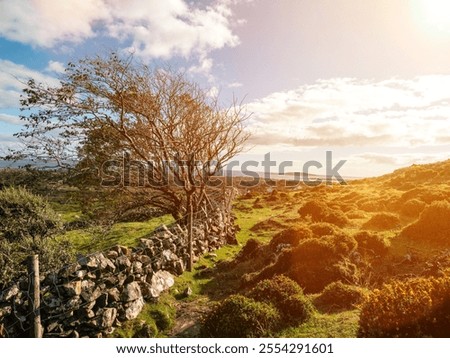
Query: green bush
point(25, 215)
point(433, 224)
point(286, 296)
point(319, 211)
point(241, 317)
point(315, 263)
point(414, 308)
point(412, 207)
point(323, 229)
point(373, 243)
point(316, 209)
point(250, 249)
point(336, 217)
point(382, 221)
point(338, 296)
point(291, 236)
point(27, 224)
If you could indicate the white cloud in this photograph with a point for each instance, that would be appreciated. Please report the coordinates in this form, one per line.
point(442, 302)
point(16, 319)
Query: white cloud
point(46, 22)
point(10, 119)
point(151, 28)
point(235, 85)
point(350, 112)
point(55, 66)
point(13, 78)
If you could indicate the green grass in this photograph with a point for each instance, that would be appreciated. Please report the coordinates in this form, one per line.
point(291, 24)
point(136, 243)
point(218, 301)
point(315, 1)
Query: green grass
point(337, 325)
point(127, 234)
point(155, 320)
point(69, 211)
point(247, 217)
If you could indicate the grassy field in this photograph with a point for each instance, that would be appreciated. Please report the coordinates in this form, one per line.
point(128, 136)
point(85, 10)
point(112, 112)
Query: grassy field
point(364, 234)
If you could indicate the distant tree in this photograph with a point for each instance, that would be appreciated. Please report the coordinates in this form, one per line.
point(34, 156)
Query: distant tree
point(110, 108)
point(27, 226)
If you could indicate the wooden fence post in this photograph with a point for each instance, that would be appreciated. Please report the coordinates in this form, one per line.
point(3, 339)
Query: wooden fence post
point(33, 276)
point(190, 238)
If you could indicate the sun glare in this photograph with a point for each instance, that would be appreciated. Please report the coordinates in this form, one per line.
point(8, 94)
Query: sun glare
point(434, 15)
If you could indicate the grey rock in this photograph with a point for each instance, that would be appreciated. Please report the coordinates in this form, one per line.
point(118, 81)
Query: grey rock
point(113, 295)
point(72, 288)
point(187, 292)
point(123, 262)
point(137, 267)
point(108, 317)
point(9, 293)
point(161, 281)
point(131, 292)
point(134, 308)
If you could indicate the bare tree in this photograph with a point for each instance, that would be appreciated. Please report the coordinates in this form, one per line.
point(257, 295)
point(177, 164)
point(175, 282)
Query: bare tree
point(114, 107)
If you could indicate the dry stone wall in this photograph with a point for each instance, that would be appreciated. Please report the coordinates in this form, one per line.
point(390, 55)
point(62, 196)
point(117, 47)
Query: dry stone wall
point(100, 292)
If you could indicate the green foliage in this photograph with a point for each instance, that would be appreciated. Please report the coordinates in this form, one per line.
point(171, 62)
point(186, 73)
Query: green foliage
point(291, 236)
point(25, 215)
point(433, 224)
point(319, 211)
point(275, 290)
point(285, 295)
point(241, 317)
point(317, 262)
point(372, 243)
point(338, 296)
point(250, 249)
point(412, 207)
point(154, 320)
point(316, 209)
point(382, 221)
point(414, 308)
point(26, 225)
point(323, 229)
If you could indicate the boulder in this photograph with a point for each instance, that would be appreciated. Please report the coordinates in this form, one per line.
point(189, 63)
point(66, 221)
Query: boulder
point(133, 308)
point(72, 288)
point(108, 317)
point(131, 292)
point(161, 281)
point(9, 293)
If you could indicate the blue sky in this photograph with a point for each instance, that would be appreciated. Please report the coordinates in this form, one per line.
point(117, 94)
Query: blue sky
point(369, 80)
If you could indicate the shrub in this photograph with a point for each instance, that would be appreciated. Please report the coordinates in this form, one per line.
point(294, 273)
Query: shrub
point(356, 214)
point(414, 308)
point(26, 225)
point(25, 215)
point(241, 317)
point(275, 290)
point(433, 224)
point(250, 249)
point(291, 236)
point(412, 207)
point(287, 296)
point(371, 242)
point(320, 211)
point(316, 209)
point(317, 262)
point(323, 229)
point(336, 217)
point(370, 205)
point(382, 221)
point(338, 296)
